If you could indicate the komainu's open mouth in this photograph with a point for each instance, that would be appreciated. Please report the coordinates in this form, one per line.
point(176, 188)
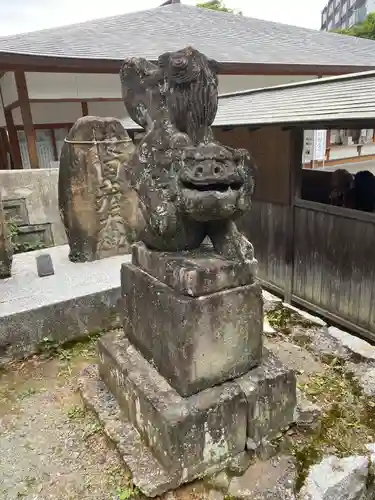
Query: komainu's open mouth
point(217, 186)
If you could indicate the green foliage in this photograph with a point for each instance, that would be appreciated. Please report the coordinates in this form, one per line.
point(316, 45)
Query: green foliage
point(347, 423)
point(127, 493)
point(19, 247)
point(76, 413)
point(217, 5)
point(366, 29)
point(12, 229)
point(283, 320)
point(82, 347)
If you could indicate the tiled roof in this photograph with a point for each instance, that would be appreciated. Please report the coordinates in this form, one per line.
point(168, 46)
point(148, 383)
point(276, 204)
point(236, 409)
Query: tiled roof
point(223, 36)
point(330, 100)
point(327, 100)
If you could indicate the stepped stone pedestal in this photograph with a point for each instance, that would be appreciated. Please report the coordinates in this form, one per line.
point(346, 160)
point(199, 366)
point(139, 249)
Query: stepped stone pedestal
point(188, 316)
point(190, 376)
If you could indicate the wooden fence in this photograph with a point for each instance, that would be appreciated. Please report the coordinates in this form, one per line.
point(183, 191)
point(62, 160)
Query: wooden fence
point(332, 267)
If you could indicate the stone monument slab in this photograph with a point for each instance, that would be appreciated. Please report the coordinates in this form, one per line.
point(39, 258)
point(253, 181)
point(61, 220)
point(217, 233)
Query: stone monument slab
point(194, 342)
point(94, 208)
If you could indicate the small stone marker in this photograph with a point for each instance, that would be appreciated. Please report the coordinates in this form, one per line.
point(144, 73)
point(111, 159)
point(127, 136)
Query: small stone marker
point(44, 265)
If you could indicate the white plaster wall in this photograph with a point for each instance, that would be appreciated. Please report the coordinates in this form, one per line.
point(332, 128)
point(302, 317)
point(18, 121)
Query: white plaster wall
point(91, 86)
point(71, 85)
point(8, 89)
point(51, 112)
point(115, 109)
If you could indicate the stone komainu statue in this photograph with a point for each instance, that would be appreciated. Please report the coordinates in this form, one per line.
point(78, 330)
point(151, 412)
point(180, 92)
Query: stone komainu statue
point(188, 186)
point(94, 210)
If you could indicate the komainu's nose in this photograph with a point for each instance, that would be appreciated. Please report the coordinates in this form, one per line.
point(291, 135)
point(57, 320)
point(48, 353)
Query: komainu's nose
point(208, 170)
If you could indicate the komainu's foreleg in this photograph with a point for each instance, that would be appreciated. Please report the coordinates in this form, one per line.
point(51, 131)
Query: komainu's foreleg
point(229, 242)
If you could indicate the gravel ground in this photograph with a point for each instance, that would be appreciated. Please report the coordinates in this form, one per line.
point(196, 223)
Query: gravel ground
point(50, 447)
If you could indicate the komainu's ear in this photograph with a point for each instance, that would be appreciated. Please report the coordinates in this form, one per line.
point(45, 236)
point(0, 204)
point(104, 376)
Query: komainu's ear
point(164, 60)
point(214, 65)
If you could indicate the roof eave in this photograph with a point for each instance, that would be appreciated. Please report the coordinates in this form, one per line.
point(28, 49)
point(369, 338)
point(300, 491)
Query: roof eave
point(29, 62)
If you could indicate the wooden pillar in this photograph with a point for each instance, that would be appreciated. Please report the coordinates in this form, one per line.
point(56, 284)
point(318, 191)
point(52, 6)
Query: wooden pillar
point(295, 177)
point(85, 108)
point(4, 149)
point(54, 145)
point(13, 139)
point(23, 98)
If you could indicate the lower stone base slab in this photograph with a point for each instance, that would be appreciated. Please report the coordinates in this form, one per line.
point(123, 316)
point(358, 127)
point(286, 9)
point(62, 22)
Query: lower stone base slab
point(147, 473)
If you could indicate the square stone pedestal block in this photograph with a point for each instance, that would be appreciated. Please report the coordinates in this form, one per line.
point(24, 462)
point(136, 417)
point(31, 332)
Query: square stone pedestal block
point(194, 341)
point(167, 440)
point(271, 394)
point(187, 435)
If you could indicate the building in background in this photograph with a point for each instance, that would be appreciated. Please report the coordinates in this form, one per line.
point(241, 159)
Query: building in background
point(342, 14)
point(50, 78)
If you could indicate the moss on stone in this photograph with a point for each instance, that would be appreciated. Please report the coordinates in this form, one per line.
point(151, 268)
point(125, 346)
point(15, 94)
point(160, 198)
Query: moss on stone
point(283, 319)
point(347, 423)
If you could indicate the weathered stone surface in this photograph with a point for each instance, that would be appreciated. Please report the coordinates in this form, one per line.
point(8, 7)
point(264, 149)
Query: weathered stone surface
point(270, 301)
point(195, 343)
point(219, 481)
point(294, 357)
point(371, 448)
point(5, 246)
point(371, 477)
point(270, 390)
point(337, 479)
point(215, 495)
point(359, 349)
point(187, 435)
point(307, 413)
point(364, 374)
point(266, 480)
point(267, 328)
point(310, 318)
point(320, 342)
point(147, 473)
point(189, 186)
point(194, 273)
point(367, 382)
point(96, 212)
point(44, 265)
point(241, 463)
